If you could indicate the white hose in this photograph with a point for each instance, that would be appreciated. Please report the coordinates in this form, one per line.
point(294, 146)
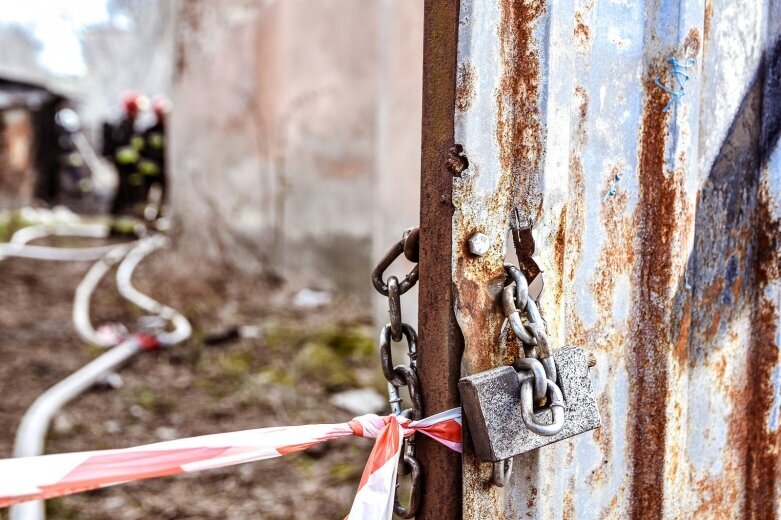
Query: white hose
point(87, 286)
point(182, 327)
point(59, 254)
point(18, 246)
point(31, 435)
point(30, 233)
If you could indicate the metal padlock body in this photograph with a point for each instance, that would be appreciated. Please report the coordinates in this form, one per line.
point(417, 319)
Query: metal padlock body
point(491, 403)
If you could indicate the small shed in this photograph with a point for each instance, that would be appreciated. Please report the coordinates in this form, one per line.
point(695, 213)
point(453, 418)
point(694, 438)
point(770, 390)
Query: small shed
point(28, 158)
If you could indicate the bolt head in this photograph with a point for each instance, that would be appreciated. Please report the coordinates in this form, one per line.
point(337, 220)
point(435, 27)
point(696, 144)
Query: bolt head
point(479, 244)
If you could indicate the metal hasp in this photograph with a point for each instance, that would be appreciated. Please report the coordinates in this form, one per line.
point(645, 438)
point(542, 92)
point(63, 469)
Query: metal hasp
point(492, 407)
point(500, 126)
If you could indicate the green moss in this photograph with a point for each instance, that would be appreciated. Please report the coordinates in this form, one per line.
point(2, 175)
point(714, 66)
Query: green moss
point(279, 376)
point(285, 337)
point(10, 223)
point(236, 363)
point(155, 402)
point(124, 226)
point(94, 351)
point(220, 387)
point(323, 364)
point(349, 341)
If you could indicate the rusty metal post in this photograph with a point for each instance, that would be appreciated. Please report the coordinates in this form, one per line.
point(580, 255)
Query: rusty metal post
point(439, 362)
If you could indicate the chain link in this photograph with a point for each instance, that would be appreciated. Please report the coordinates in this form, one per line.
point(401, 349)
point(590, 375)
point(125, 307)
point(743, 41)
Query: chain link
point(393, 253)
point(394, 308)
point(537, 371)
point(402, 375)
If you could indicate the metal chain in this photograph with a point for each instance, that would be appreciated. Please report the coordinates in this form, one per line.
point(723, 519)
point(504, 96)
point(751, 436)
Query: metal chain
point(402, 375)
point(537, 371)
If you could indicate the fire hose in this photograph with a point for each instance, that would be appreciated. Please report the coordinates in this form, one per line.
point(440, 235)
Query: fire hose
point(31, 434)
point(19, 247)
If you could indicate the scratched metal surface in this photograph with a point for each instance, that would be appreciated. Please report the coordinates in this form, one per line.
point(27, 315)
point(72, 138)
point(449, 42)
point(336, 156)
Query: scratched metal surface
point(659, 235)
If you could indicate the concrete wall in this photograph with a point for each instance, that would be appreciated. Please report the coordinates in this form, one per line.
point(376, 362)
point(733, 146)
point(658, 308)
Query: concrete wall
point(397, 159)
point(281, 142)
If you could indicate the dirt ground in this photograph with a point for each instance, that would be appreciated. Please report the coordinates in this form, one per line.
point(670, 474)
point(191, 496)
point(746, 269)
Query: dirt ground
point(283, 377)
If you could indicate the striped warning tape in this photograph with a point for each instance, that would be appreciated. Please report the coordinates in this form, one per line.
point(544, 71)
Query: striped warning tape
point(48, 476)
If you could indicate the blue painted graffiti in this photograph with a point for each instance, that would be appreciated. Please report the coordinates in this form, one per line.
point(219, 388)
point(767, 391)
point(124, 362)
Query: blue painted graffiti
point(681, 78)
point(614, 185)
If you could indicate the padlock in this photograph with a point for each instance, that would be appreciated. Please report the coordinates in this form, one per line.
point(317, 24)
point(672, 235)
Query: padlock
point(491, 403)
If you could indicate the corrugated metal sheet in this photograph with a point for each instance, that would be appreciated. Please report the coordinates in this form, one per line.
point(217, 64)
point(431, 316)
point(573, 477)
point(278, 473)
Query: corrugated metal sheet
point(657, 228)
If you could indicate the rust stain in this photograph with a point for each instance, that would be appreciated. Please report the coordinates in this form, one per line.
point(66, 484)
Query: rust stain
point(750, 466)
point(715, 500)
point(520, 148)
point(762, 459)
point(713, 329)
point(559, 241)
point(465, 86)
point(478, 281)
point(568, 508)
point(736, 256)
point(582, 33)
point(737, 288)
point(576, 222)
point(768, 242)
point(611, 511)
point(532, 498)
point(656, 222)
point(708, 18)
point(691, 45)
point(519, 130)
point(481, 329)
point(711, 294)
point(681, 351)
point(604, 441)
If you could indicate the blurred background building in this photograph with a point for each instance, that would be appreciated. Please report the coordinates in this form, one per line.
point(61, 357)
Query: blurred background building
point(294, 143)
point(27, 128)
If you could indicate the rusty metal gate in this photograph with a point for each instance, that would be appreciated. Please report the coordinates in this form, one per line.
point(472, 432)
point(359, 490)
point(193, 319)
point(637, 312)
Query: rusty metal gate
point(640, 138)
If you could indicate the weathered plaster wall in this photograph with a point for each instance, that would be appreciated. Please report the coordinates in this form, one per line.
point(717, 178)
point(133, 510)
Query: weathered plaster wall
point(276, 146)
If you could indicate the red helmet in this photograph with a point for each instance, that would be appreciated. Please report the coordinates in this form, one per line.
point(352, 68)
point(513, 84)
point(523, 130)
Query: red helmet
point(161, 106)
point(133, 103)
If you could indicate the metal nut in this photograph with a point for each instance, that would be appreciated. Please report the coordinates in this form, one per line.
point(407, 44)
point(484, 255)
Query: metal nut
point(479, 244)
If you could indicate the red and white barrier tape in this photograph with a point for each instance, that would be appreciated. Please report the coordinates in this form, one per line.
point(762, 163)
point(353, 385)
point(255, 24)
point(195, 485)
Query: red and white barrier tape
point(48, 476)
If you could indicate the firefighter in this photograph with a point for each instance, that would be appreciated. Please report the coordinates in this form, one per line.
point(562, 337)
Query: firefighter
point(122, 144)
point(152, 164)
